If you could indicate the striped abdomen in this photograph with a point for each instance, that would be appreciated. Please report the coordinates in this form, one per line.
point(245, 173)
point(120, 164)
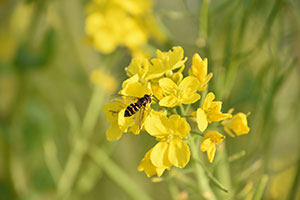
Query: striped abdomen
point(132, 109)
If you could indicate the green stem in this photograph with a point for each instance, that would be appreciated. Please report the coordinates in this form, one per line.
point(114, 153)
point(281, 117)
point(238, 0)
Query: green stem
point(120, 177)
point(197, 133)
point(72, 167)
point(215, 181)
point(223, 172)
point(203, 20)
point(203, 183)
point(294, 189)
point(173, 189)
point(261, 188)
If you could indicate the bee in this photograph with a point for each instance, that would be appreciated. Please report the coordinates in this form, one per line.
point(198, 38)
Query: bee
point(135, 106)
point(140, 104)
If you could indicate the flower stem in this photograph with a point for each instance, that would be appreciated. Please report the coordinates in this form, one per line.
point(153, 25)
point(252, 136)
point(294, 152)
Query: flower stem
point(261, 187)
point(118, 175)
point(202, 179)
point(67, 179)
point(197, 133)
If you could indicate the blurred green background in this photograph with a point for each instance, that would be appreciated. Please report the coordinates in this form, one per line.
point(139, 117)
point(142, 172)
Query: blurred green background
point(52, 129)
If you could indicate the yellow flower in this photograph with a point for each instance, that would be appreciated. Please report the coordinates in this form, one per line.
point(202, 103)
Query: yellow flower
point(211, 138)
point(183, 93)
point(167, 61)
point(238, 124)
point(147, 166)
point(108, 82)
point(199, 70)
point(113, 23)
point(133, 87)
point(210, 112)
point(171, 149)
point(111, 111)
point(139, 66)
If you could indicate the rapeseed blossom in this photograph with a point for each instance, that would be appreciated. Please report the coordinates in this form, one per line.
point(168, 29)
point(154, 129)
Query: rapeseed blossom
point(163, 79)
point(113, 23)
point(103, 79)
point(210, 112)
point(237, 124)
point(199, 70)
point(183, 93)
point(208, 145)
point(171, 149)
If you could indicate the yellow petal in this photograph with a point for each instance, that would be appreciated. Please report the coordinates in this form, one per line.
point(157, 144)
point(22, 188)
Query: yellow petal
point(211, 153)
point(189, 84)
point(168, 86)
point(156, 89)
point(138, 66)
point(179, 153)
point(167, 61)
point(147, 166)
point(190, 98)
point(159, 155)
point(133, 79)
point(160, 171)
point(240, 125)
point(201, 120)
point(217, 116)
point(208, 100)
point(205, 145)
point(179, 126)
point(156, 124)
point(113, 132)
point(199, 67)
point(125, 122)
point(215, 136)
point(136, 89)
point(111, 110)
point(169, 101)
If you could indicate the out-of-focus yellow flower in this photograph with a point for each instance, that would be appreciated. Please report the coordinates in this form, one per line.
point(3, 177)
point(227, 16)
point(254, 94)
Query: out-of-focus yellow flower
point(183, 93)
point(167, 61)
point(211, 138)
point(108, 82)
point(237, 124)
point(210, 112)
point(199, 70)
point(113, 23)
point(171, 149)
point(147, 166)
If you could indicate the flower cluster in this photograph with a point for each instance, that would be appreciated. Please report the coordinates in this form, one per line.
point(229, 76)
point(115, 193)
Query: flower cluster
point(113, 23)
point(162, 78)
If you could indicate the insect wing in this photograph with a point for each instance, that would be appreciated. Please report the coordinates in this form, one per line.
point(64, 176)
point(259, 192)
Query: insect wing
point(124, 99)
point(140, 117)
